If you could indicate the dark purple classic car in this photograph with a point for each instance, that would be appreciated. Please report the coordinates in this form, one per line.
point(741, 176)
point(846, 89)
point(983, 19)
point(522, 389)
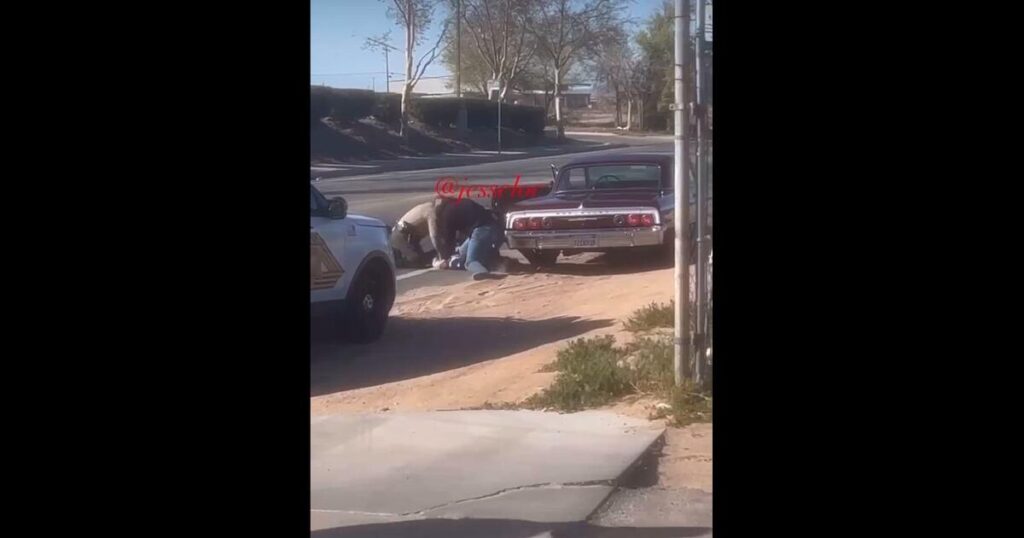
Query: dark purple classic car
point(598, 204)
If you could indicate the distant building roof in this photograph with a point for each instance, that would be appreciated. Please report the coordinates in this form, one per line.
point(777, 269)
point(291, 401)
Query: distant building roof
point(568, 89)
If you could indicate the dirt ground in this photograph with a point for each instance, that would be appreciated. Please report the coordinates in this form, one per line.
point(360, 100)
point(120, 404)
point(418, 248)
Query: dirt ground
point(573, 301)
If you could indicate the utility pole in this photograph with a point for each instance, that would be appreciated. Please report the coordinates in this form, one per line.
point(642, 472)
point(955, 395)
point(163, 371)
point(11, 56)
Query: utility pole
point(681, 357)
point(387, 67)
point(458, 49)
point(702, 177)
point(499, 116)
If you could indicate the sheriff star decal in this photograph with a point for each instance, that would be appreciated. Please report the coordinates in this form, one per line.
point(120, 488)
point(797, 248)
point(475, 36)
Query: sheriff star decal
point(324, 270)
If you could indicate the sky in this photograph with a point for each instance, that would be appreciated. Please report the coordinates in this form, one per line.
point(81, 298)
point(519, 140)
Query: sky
point(338, 29)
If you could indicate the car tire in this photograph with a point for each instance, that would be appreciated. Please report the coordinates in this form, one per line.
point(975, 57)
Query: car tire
point(369, 302)
point(540, 258)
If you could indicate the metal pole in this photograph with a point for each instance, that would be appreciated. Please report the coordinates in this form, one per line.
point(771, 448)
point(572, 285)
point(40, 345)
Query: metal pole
point(702, 176)
point(499, 116)
point(681, 358)
point(458, 49)
point(387, 67)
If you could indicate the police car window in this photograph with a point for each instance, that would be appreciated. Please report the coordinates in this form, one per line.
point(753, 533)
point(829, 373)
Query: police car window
point(317, 202)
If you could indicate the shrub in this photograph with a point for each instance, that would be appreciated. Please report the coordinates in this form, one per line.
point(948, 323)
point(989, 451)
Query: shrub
point(652, 316)
point(342, 105)
point(319, 105)
point(651, 368)
point(388, 108)
point(443, 112)
point(528, 119)
point(588, 376)
point(436, 112)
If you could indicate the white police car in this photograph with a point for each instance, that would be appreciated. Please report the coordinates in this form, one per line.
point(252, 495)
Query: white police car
point(351, 268)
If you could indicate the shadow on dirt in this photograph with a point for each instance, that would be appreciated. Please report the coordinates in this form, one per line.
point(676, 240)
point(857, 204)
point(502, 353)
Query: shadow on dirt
point(620, 263)
point(412, 347)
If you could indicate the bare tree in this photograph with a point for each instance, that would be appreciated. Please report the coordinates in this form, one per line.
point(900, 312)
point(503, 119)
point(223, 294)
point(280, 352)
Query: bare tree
point(415, 17)
point(610, 65)
point(499, 34)
point(563, 29)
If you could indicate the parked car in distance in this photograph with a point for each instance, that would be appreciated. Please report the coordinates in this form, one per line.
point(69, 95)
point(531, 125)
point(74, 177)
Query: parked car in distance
point(351, 268)
point(599, 204)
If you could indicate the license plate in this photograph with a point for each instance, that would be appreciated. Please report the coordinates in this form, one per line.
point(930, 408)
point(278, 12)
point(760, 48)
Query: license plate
point(586, 241)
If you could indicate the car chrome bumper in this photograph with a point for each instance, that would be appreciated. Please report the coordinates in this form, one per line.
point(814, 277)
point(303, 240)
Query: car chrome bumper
point(585, 239)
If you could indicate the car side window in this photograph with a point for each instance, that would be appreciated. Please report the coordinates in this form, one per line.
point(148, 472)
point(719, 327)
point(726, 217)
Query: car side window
point(576, 178)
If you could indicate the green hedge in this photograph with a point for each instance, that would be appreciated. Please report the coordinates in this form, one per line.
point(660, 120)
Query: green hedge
point(345, 106)
point(480, 113)
point(342, 105)
point(388, 108)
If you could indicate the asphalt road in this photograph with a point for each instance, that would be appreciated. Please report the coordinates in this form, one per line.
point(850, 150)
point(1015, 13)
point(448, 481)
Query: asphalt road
point(388, 196)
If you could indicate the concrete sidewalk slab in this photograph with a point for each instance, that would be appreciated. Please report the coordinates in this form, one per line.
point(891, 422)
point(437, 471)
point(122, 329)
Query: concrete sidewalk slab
point(522, 465)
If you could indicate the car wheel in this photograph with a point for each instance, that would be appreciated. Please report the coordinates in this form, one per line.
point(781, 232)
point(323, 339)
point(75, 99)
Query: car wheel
point(369, 302)
point(540, 258)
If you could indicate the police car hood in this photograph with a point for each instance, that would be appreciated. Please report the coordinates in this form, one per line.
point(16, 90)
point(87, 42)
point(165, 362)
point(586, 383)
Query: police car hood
point(365, 221)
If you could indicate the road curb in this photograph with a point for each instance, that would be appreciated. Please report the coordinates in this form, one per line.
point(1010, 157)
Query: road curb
point(459, 162)
point(638, 466)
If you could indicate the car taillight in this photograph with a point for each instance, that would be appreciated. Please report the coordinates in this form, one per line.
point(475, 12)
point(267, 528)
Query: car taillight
point(518, 224)
point(634, 219)
point(647, 220)
point(619, 220)
point(534, 223)
point(546, 222)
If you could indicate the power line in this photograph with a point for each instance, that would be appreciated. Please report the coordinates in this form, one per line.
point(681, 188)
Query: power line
point(351, 74)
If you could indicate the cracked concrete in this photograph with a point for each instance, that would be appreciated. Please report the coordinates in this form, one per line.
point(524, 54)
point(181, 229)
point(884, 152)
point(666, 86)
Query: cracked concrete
point(523, 465)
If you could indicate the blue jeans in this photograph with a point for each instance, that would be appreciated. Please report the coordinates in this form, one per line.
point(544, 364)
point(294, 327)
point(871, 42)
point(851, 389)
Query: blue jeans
point(482, 247)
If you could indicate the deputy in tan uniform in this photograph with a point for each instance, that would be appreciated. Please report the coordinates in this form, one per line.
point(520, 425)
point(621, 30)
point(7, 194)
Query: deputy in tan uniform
point(410, 230)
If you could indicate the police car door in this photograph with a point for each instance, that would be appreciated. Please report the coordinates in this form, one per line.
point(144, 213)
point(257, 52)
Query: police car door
point(328, 274)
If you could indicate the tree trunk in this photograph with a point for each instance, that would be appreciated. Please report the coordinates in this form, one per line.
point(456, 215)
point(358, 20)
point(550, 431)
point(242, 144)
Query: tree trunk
point(402, 131)
point(643, 119)
point(558, 106)
point(504, 90)
point(618, 107)
point(629, 113)
point(407, 87)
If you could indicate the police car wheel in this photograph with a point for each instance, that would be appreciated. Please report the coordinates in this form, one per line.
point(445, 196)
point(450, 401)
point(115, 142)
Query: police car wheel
point(369, 302)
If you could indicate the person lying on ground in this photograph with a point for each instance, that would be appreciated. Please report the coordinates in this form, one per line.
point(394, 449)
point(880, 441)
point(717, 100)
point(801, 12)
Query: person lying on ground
point(481, 228)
